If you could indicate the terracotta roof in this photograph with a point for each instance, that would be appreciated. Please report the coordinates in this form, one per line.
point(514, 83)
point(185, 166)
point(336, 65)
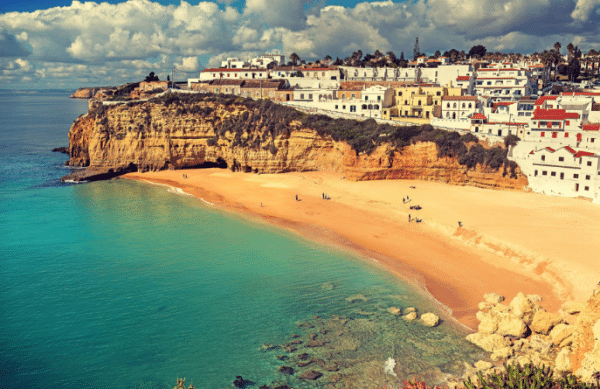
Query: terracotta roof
point(541, 99)
point(504, 103)
point(553, 114)
point(496, 78)
point(570, 150)
point(583, 154)
point(479, 116)
point(591, 127)
point(466, 98)
point(463, 78)
point(531, 152)
point(580, 94)
point(550, 149)
point(265, 84)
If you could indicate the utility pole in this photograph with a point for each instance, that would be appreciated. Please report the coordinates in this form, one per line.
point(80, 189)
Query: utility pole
point(172, 77)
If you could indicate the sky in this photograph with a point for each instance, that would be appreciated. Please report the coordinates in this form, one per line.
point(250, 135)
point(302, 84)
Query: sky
point(71, 44)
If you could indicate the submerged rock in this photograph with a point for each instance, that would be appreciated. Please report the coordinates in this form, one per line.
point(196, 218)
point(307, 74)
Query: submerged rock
point(286, 370)
point(356, 297)
point(395, 311)
point(311, 375)
point(410, 316)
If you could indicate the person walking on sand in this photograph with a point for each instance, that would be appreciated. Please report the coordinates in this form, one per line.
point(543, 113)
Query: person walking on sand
point(409, 217)
point(296, 197)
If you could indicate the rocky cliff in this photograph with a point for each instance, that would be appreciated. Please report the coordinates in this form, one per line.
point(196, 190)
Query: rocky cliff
point(86, 93)
point(167, 134)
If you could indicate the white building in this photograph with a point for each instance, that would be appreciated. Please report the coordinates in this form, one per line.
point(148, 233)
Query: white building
point(233, 74)
point(561, 172)
point(504, 84)
point(444, 75)
point(234, 63)
point(353, 73)
point(264, 60)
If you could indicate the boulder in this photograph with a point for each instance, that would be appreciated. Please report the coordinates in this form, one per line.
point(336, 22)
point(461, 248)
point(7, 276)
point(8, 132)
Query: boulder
point(430, 319)
point(499, 309)
point(410, 316)
point(543, 322)
point(356, 297)
point(563, 361)
point(483, 306)
point(410, 309)
point(513, 326)
point(560, 332)
point(311, 375)
point(395, 311)
point(482, 315)
point(487, 326)
point(483, 365)
point(493, 298)
point(523, 308)
point(489, 343)
point(501, 353)
point(540, 345)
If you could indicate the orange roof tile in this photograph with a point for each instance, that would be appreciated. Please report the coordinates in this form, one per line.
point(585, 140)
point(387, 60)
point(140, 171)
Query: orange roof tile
point(591, 127)
point(553, 114)
point(541, 99)
point(583, 154)
point(479, 116)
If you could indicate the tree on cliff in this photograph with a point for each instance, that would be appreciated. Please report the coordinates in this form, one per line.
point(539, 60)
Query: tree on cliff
point(151, 77)
point(477, 51)
point(294, 58)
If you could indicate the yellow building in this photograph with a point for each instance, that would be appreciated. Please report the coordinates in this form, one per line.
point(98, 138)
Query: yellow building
point(416, 104)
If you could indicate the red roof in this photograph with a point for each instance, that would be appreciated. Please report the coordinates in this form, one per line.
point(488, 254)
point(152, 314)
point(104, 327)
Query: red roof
point(550, 149)
point(479, 116)
point(553, 114)
point(580, 94)
point(463, 78)
point(591, 127)
point(496, 78)
point(531, 152)
point(468, 98)
point(542, 99)
point(504, 103)
point(570, 149)
point(583, 154)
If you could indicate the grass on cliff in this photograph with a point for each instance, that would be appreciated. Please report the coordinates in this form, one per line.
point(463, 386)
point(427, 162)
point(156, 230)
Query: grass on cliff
point(263, 121)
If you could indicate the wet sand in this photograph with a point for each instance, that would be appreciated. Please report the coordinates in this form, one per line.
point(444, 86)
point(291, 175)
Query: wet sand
point(509, 241)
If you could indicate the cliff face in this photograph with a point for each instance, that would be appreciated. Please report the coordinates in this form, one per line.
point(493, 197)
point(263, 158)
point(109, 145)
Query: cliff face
point(149, 137)
point(86, 93)
point(586, 340)
point(421, 162)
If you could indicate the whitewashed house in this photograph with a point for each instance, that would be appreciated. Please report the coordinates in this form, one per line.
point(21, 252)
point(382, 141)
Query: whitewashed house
point(233, 74)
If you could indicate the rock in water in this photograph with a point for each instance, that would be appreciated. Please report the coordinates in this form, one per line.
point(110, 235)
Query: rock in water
point(311, 375)
point(286, 370)
point(430, 319)
point(395, 311)
point(64, 150)
point(410, 316)
point(241, 383)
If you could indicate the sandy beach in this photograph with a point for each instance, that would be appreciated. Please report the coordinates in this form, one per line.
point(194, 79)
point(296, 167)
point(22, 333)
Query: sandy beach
point(509, 242)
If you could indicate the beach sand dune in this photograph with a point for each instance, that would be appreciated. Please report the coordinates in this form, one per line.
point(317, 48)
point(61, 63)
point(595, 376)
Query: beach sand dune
point(509, 241)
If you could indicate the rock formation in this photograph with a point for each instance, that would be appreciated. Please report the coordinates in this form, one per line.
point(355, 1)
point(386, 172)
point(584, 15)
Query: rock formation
point(149, 136)
point(523, 332)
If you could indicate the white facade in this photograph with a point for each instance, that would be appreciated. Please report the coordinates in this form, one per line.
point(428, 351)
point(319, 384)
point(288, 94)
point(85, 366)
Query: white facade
point(325, 74)
point(233, 74)
point(352, 73)
point(506, 84)
point(446, 75)
point(560, 172)
point(234, 63)
point(459, 107)
point(264, 60)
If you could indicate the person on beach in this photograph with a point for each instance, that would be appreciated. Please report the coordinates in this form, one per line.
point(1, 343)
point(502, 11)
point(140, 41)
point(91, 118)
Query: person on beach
point(323, 195)
point(460, 224)
point(296, 197)
point(409, 217)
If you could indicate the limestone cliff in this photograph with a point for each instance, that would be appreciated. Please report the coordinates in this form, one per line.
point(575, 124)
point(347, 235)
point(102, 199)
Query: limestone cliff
point(586, 340)
point(86, 93)
point(113, 139)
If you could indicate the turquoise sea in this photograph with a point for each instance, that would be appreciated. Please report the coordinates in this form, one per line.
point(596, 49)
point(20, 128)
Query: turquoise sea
point(120, 284)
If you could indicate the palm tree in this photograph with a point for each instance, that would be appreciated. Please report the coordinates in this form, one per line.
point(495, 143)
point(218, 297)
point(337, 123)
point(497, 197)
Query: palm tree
point(570, 49)
point(557, 47)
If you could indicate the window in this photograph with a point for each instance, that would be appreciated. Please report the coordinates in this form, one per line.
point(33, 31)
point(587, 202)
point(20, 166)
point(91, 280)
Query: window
point(301, 96)
point(438, 93)
point(554, 134)
point(470, 105)
point(376, 106)
point(353, 108)
point(405, 102)
point(586, 188)
point(343, 107)
point(553, 174)
point(463, 105)
point(587, 177)
point(454, 106)
point(310, 96)
point(343, 95)
point(535, 173)
point(448, 106)
point(562, 176)
point(544, 173)
point(336, 107)
point(378, 98)
point(543, 157)
point(589, 163)
point(561, 159)
point(592, 140)
point(568, 122)
point(419, 102)
point(399, 93)
point(364, 106)
point(566, 134)
point(575, 176)
point(576, 187)
point(366, 98)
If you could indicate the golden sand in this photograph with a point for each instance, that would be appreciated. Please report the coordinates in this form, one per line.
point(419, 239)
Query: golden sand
point(509, 241)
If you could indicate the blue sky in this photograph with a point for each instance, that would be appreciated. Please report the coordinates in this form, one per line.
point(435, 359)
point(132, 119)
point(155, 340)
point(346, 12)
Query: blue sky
point(63, 44)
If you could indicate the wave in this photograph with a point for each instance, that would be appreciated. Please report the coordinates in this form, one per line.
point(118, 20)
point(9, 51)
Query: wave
point(75, 182)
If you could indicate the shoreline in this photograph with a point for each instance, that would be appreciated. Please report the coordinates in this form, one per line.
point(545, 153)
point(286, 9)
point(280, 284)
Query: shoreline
point(455, 265)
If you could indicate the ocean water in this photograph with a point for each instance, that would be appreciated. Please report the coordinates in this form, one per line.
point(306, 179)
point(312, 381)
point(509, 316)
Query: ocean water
point(121, 284)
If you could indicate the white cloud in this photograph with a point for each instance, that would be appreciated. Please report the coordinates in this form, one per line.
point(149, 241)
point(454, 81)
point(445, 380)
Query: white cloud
point(113, 43)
